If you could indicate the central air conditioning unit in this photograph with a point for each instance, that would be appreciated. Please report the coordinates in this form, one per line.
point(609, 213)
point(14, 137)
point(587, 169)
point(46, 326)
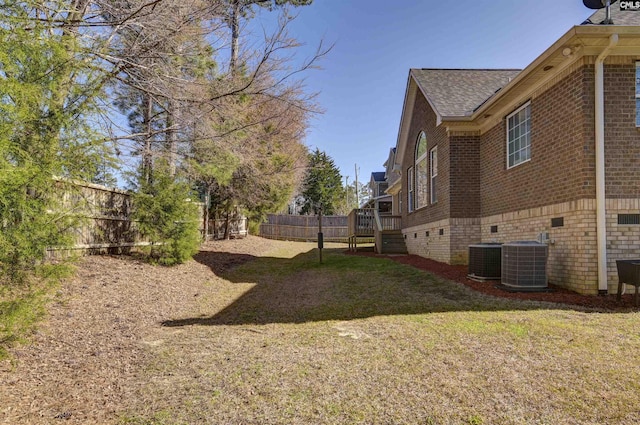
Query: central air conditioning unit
point(485, 261)
point(524, 266)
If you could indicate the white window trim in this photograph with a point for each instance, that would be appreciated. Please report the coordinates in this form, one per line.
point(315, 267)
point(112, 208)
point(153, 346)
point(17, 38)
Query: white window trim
point(416, 161)
point(526, 105)
point(433, 198)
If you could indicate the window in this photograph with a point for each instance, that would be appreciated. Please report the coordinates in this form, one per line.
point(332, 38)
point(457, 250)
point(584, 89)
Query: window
point(382, 187)
point(637, 94)
point(410, 189)
point(421, 171)
point(433, 166)
point(518, 136)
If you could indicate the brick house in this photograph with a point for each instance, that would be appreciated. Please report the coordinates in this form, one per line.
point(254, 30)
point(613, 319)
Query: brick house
point(392, 177)
point(552, 150)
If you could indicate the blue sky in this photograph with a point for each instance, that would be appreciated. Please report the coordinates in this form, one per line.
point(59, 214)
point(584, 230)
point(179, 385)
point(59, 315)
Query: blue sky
point(363, 79)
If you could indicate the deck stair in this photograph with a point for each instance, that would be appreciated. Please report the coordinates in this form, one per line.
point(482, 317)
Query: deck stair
point(391, 242)
point(385, 229)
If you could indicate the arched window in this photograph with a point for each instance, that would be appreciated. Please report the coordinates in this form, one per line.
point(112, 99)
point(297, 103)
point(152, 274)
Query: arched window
point(422, 178)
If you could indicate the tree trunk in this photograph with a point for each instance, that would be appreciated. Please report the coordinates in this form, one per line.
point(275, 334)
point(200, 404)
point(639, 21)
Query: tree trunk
point(227, 234)
point(235, 35)
point(207, 196)
point(146, 153)
point(172, 143)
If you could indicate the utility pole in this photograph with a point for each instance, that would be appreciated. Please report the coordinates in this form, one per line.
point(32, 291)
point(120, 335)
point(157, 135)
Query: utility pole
point(320, 235)
point(357, 197)
point(346, 190)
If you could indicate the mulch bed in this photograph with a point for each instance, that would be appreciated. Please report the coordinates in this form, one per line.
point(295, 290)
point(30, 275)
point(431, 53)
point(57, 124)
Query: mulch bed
point(557, 294)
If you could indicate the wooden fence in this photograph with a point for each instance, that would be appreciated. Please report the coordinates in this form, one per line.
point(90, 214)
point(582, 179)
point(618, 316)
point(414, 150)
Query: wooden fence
point(304, 227)
point(104, 218)
point(238, 228)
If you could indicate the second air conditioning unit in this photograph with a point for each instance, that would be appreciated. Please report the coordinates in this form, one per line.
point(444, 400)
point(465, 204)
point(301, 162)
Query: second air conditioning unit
point(524, 266)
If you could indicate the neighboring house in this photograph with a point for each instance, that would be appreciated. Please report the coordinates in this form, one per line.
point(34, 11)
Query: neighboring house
point(507, 155)
point(379, 199)
point(394, 182)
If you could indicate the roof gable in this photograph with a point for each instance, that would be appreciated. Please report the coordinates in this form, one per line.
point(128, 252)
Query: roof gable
point(388, 164)
point(377, 176)
point(473, 100)
point(458, 92)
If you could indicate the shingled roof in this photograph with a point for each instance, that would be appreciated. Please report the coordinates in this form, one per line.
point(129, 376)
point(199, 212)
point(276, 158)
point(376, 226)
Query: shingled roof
point(619, 17)
point(457, 92)
point(378, 176)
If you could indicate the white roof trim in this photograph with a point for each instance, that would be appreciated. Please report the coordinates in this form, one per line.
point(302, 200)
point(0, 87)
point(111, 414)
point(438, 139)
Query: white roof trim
point(407, 113)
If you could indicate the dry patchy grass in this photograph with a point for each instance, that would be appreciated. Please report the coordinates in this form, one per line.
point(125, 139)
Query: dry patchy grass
point(257, 332)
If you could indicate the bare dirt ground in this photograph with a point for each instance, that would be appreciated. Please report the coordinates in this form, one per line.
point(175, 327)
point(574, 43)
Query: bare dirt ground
point(84, 363)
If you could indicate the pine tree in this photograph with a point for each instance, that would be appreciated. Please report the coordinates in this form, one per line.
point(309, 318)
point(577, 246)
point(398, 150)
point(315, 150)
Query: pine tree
point(165, 215)
point(322, 185)
point(49, 94)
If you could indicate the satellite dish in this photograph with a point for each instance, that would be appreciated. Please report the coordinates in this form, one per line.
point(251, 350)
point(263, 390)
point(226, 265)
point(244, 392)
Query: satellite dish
point(600, 4)
point(597, 4)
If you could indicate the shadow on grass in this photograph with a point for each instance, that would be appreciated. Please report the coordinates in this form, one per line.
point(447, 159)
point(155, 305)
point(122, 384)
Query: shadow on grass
point(299, 289)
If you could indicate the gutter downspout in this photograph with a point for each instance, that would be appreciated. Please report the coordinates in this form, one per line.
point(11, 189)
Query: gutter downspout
point(601, 211)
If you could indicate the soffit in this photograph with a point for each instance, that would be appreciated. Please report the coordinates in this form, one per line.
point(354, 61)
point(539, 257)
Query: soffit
point(572, 49)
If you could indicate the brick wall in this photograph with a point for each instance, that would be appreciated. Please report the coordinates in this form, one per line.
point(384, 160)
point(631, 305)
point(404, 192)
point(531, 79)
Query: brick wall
point(572, 255)
point(424, 119)
point(572, 261)
point(562, 165)
point(464, 232)
point(623, 240)
point(622, 138)
point(476, 190)
point(430, 240)
point(560, 178)
point(464, 176)
point(555, 172)
point(444, 240)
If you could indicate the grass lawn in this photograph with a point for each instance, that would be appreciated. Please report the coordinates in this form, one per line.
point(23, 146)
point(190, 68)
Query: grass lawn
point(362, 340)
point(282, 339)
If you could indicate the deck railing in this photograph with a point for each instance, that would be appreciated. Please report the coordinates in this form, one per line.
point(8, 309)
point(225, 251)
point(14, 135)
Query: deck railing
point(361, 222)
point(388, 222)
point(368, 222)
point(385, 223)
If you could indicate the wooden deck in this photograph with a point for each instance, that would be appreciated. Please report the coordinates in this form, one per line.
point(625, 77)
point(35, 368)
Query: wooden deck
point(359, 225)
point(385, 229)
point(360, 222)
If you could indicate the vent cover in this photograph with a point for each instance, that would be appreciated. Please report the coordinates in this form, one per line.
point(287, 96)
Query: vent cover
point(485, 261)
point(628, 218)
point(524, 266)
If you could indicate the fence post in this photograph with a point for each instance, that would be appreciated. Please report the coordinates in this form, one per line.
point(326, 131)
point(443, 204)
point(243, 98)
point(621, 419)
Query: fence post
point(320, 239)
